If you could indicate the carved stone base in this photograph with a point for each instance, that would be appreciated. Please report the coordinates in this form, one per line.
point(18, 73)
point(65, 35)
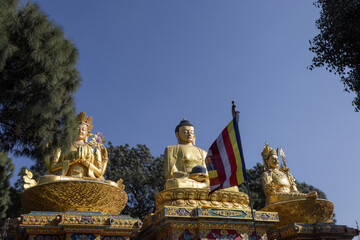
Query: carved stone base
point(302, 210)
point(75, 195)
point(73, 225)
point(205, 223)
point(300, 231)
point(194, 197)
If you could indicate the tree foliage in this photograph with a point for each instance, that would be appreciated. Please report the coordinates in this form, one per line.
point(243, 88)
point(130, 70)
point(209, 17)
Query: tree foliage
point(6, 172)
point(37, 78)
point(143, 176)
point(337, 46)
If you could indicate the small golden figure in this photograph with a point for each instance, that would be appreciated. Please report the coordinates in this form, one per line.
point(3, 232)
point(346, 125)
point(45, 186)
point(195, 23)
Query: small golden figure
point(84, 160)
point(279, 184)
point(185, 163)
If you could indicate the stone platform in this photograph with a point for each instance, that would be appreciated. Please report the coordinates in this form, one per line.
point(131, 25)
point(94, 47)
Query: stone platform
point(320, 231)
point(205, 223)
point(73, 225)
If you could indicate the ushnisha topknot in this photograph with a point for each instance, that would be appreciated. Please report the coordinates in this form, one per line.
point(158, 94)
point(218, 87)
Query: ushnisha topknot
point(183, 122)
point(82, 118)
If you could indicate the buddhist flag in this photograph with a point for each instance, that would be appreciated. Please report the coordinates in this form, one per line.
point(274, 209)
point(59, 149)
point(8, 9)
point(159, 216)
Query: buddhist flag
point(225, 159)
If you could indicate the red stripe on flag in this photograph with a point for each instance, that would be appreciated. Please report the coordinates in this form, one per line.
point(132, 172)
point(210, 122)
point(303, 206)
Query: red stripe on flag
point(218, 162)
point(231, 156)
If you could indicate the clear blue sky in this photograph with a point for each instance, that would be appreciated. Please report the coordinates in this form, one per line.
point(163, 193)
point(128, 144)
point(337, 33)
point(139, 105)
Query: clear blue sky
point(146, 64)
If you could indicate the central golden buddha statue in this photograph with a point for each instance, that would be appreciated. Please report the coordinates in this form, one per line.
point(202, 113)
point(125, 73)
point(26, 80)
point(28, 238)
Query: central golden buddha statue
point(187, 180)
point(185, 163)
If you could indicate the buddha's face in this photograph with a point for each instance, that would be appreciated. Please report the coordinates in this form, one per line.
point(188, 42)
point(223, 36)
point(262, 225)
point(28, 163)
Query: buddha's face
point(273, 161)
point(82, 132)
point(186, 134)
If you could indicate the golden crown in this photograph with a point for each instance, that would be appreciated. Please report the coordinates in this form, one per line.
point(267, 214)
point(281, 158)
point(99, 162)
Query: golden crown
point(268, 151)
point(82, 118)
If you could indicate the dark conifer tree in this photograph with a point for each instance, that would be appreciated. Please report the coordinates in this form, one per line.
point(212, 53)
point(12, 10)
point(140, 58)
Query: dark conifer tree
point(6, 172)
point(38, 79)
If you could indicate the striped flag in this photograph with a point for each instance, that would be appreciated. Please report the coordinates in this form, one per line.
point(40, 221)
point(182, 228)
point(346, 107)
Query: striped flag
point(225, 159)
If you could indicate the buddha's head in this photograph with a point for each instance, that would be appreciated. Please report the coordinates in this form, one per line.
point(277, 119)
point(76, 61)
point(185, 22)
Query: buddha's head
point(85, 126)
point(185, 132)
point(270, 158)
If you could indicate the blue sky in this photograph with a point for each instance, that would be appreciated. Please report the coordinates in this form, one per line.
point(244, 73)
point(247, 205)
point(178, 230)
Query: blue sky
point(146, 64)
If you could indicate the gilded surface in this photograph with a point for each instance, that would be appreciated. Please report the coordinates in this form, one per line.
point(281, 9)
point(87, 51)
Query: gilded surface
point(75, 195)
point(185, 163)
point(74, 225)
point(85, 159)
point(303, 211)
point(278, 183)
point(193, 197)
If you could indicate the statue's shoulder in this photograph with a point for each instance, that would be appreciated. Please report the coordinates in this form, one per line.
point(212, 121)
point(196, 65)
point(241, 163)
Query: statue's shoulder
point(171, 150)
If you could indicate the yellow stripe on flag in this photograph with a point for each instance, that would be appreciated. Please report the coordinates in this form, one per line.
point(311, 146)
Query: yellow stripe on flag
point(235, 147)
point(213, 174)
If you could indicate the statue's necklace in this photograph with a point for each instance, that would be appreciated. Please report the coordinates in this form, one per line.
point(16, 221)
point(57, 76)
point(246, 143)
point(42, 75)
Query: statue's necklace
point(278, 173)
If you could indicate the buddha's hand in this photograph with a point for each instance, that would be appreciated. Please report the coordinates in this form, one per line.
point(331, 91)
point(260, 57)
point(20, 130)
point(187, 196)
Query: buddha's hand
point(199, 177)
point(180, 174)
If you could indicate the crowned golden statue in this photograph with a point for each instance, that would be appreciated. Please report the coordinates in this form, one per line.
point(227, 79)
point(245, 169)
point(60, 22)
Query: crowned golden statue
point(282, 195)
point(84, 160)
point(75, 180)
point(278, 183)
point(187, 179)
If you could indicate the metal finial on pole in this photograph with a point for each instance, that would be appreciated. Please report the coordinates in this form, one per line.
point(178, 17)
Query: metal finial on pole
point(233, 112)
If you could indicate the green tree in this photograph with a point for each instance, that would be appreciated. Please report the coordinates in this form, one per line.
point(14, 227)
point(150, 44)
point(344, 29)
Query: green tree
point(6, 172)
point(337, 46)
point(142, 173)
point(38, 79)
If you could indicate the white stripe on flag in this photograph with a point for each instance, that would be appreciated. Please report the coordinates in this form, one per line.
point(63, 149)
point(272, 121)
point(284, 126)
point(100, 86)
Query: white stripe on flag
point(225, 160)
point(214, 187)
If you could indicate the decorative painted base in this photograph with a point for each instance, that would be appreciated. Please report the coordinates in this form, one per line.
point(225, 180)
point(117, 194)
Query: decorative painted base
point(205, 223)
point(299, 231)
point(302, 210)
point(195, 197)
point(73, 225)
point(75, 194)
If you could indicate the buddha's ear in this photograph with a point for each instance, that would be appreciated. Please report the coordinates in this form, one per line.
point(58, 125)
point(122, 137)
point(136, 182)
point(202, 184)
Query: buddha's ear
point(194, 139)
point(177, 136)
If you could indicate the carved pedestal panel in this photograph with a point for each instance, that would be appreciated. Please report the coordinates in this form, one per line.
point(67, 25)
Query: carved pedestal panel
point(205, 223)
point(73, 225)
point(320, 231)
point(194, 197)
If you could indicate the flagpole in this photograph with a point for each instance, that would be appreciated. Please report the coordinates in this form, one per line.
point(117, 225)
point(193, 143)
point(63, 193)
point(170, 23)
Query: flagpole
point(236, 115)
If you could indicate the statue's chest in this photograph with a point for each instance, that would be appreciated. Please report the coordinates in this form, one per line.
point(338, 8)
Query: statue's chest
point(190, 156)
point(280, 178)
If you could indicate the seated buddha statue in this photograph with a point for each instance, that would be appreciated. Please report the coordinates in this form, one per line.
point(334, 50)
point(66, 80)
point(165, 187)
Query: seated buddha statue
point(278, 183)
point(184, 162)
point(83, 160)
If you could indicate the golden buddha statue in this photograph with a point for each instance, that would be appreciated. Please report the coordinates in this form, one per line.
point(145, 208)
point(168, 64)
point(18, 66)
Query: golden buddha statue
point(283, 197)
point(84, 160)
point(74, 180)
point(185, 163)
point(187, 180)
point(279, 184)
